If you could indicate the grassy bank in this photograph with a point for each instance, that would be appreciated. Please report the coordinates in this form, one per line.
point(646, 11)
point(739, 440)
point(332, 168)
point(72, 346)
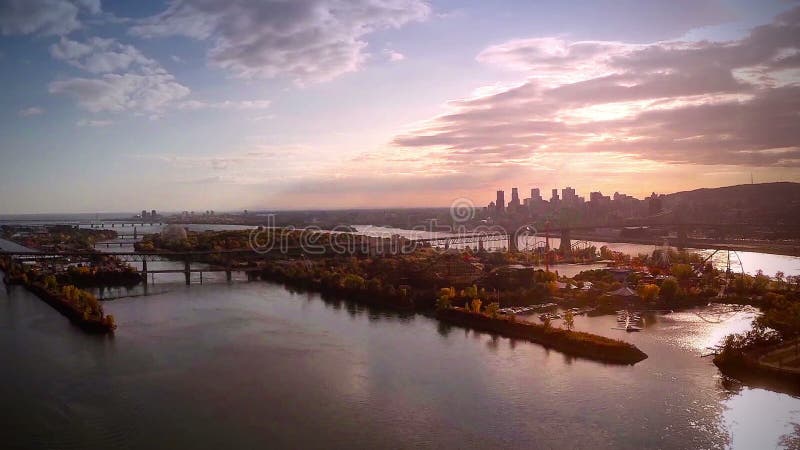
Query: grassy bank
point(574, 343)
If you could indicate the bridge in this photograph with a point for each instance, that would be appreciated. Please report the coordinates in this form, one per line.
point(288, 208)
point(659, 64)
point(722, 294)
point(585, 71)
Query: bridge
point(567, 244)
point(112, 223)
point(187, 258)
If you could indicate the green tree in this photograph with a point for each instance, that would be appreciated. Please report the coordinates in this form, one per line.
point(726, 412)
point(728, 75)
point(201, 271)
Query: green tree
point(491, 309)
point(669, 289)
point(681, 271)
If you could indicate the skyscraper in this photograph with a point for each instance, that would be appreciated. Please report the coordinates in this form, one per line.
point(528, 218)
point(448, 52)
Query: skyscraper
point(500, 204)
point(568, 196)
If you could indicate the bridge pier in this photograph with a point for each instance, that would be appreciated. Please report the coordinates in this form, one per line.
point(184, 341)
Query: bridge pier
point(144, 271)
point(186, 272)
point(512, 243)
point(566, 242)
point(228, 274)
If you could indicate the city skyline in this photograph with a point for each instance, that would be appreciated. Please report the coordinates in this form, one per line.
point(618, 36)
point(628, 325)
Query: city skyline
point(406, 103)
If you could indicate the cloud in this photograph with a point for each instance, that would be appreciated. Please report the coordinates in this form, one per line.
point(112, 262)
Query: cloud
point(47, 17)
point(98, 55)
point(144, 93)
point(732, 103)
point(241, 105)
point(127, 81)
point(32, 111)
point(93, 123)
point(305, 40)
point(393, 56)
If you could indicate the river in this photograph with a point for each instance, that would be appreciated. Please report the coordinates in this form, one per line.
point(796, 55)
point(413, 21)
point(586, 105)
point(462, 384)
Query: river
point(248, 365)
point(254, 365)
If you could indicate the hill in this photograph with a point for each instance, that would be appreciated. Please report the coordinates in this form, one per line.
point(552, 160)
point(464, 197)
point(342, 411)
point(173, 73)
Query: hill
point(775, 204)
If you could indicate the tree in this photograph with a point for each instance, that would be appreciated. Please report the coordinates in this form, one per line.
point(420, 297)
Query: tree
point(546, 322)
point(647, 292)
point(491, 309)
point(569, 320)
point(783, 316)
point(353, 282)
point(669, 289)
point(443, 303)
point(50, 283)
point(476, 305)
point(471, 292)
point(681, 271)
point(760, 282)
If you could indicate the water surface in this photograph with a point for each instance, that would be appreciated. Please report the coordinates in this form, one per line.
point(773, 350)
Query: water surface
point(253, 365)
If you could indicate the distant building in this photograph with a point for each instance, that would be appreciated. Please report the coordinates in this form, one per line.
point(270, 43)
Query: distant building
point(554, 197)
point(500, 204)
point(514, 204)
point(568, 196)
point(153, 213)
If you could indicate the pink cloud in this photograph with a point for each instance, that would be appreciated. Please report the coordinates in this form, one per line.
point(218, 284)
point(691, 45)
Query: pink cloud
point(711, 103)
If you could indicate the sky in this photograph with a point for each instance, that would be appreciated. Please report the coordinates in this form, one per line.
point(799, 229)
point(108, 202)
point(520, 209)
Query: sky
point(301, 104)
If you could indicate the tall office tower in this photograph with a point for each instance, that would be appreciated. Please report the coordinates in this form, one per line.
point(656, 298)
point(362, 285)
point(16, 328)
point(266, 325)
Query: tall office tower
point(554, 198)
point(500, 204)
point(535, 194)
point(568, 195)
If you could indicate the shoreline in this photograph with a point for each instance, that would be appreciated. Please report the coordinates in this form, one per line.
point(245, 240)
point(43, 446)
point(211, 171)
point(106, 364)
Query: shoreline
point(694, 244)
point(747, 371)
point(104, 325)
point(573, 343)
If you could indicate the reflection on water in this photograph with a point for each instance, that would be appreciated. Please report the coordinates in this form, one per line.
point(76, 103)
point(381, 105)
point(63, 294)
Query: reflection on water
point(702, 328)
point(253, 365)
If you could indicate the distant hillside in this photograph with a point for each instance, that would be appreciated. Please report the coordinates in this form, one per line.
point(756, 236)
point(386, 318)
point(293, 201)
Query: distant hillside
point(767, 203)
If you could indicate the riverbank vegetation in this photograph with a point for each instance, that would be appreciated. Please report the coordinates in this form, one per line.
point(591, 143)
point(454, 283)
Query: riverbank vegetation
point(55, 237)
point(106, 274)
point(574, 343)
point(80, 306)
point(768, 354)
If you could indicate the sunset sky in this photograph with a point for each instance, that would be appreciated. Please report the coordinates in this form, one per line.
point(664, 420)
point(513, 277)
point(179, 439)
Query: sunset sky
point(233, 104)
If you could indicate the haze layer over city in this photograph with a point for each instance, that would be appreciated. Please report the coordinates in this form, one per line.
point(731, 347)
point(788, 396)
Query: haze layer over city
point(400, 224)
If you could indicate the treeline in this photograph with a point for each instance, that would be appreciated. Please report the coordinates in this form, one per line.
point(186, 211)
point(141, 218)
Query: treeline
point(80, 306)
point(575, 343)
point(92, 276)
